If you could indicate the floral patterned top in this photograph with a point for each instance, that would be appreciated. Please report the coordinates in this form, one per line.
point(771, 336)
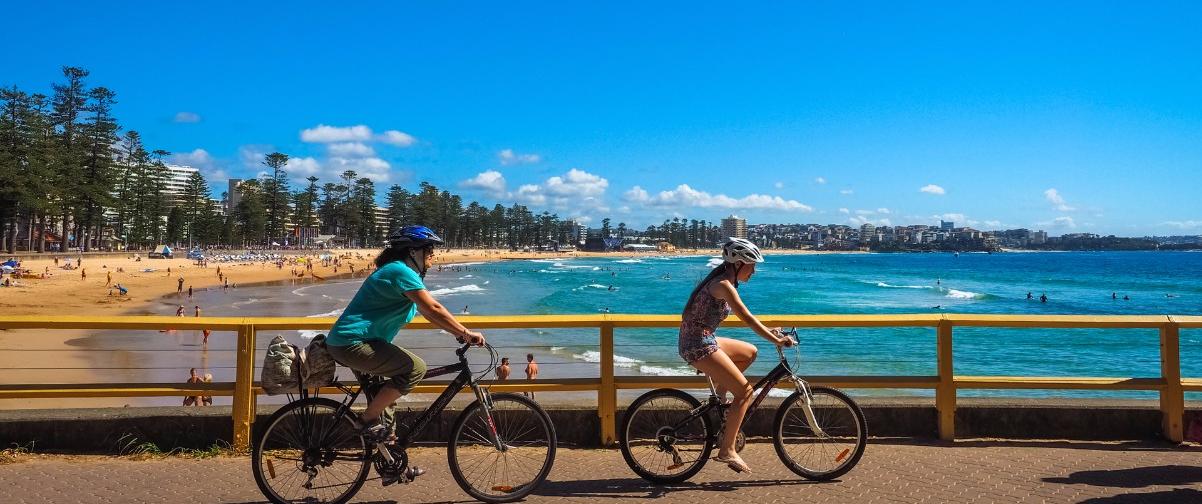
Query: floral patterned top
point(699, 323)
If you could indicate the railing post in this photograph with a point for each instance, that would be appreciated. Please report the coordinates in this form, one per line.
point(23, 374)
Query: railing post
point(244, 380)
point(945, 393)
point(607, 394)
point(1172, 396)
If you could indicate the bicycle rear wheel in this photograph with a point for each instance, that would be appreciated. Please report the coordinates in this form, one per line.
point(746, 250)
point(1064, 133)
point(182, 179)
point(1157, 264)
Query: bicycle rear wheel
point(826, 445)
point(526, 440)
point(659, 441)
point(307, 453)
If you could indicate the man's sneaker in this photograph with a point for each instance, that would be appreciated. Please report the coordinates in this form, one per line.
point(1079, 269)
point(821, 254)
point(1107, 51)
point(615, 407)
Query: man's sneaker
point(375, 433)
point(406, 476)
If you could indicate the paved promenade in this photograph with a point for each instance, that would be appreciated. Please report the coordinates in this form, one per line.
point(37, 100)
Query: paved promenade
point(970, 471)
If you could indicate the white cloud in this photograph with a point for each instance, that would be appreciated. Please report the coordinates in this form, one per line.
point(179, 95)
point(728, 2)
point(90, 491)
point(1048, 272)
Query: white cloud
point(374, 168)
point(1059, 223)
point(820, 180)
point(846, 192)
point(953, 217)
point(187, 117)
point(864, 212)
point(1053, 196)
point(1187, 224)
point(351, 149)
point(844, 211)
point(530, 194)
point(397, 138)
point(326, 134)
point(201, 160)
point(779, 185)
point(993, 224)
point(576, 183)
point(882, 210)
point(508, 157)
point(932, 189)
point(637, 194)
point(302, 167)
point(198, 158)
point(330, 170)
point(252, 155)
point(860, 221)
point(491, 182)
point(685, 196)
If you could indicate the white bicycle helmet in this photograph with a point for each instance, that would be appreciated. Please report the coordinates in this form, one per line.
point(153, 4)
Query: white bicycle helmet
point(738, 250)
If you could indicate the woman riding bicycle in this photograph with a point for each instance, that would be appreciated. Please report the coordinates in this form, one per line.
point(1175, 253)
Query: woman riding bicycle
point(723, 360)
point(361, 339)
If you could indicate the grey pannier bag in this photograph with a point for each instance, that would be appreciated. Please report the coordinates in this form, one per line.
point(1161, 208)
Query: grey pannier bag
point(281, 367)
point(318, 365)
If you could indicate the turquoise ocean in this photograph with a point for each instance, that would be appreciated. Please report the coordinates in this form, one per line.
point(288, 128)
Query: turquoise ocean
point(1074, 282)
point(1156, 283)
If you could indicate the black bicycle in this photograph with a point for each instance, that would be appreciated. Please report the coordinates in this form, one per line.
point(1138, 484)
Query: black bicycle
point(819, 432)
point(501, 446)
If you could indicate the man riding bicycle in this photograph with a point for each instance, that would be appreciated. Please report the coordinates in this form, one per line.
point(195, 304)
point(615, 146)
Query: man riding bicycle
point(361, 339)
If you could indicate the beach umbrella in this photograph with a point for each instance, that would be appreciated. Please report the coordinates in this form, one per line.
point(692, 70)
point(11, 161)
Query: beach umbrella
point(10, 263)
point(6, 268)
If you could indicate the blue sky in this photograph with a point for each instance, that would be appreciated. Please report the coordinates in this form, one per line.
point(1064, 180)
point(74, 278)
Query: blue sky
point(1065, 116)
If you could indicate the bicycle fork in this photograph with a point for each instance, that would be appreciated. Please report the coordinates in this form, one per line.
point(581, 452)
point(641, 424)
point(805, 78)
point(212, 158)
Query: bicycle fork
point(807, 406)
point(485, 399)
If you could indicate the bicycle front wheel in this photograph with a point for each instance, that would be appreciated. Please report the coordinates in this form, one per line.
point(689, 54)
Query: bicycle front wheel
point(502, 453)
point(308, 452)
point(661, 440)
point(824, 442)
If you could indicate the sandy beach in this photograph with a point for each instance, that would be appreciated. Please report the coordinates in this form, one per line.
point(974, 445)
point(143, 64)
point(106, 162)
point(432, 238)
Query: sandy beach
point(88, 289)
point(80, 356)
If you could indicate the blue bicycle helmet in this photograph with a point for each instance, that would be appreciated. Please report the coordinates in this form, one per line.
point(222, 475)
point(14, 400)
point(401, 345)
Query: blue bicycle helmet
point(414, 237)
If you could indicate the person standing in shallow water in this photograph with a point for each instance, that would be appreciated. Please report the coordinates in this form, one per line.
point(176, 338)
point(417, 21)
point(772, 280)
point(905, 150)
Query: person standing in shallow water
point(723, 359)
point(503, 369)
point(531, 371)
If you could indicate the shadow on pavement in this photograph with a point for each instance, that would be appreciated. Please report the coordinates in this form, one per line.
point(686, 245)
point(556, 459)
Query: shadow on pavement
point(625, 488)
point(1038, 443)
point(366, 502)
point(1137, 477)
point(1175, 496)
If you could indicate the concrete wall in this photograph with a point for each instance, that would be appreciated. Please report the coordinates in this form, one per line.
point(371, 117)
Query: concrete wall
point(117, 430)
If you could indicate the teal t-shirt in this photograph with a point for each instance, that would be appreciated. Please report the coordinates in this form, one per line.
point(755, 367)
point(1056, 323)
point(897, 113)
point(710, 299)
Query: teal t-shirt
point(380, 308)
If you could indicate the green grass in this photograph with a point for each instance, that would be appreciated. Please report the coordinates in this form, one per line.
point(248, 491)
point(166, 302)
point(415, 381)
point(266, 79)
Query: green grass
point(131, 446)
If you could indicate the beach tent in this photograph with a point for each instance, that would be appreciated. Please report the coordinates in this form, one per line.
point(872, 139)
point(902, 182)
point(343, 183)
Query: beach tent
point(11, 263)
point(161, 252)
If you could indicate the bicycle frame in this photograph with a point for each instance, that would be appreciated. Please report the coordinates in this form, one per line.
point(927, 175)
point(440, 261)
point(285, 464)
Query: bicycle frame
point(463, 378)
point(764, 386)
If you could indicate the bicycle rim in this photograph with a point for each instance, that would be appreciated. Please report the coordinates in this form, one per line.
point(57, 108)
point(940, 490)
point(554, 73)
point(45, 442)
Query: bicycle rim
point(827, 450)
point(527, 440)
point(657, 442)
point(308, 454)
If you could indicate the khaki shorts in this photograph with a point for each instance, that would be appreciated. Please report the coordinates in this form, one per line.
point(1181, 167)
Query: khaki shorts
point(381, 358)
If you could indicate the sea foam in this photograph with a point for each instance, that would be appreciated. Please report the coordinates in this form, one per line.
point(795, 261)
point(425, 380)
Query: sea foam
point(457, 290)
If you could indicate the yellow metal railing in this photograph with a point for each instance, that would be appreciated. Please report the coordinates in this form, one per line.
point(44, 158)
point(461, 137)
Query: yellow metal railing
point(1169, 384)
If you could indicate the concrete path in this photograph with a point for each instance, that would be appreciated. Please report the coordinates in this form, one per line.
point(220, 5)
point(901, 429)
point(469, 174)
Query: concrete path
point(980, 471)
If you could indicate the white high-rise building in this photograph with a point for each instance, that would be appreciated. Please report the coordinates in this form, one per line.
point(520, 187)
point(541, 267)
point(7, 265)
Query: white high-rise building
point(176, 181)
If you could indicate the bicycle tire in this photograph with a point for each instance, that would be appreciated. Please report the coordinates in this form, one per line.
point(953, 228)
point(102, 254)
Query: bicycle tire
point(637, 408)
point(506, 491)
point(847, 456)
point(259, 448)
